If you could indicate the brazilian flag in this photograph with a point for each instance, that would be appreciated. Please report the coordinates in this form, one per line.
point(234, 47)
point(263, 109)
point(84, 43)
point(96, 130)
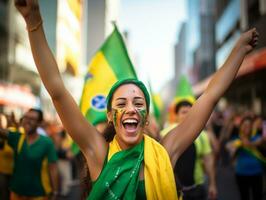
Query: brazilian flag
point(110, 64)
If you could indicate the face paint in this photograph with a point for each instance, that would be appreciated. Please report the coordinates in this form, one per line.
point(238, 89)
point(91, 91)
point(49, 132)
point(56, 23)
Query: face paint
point(143, 115)
point(117, 114)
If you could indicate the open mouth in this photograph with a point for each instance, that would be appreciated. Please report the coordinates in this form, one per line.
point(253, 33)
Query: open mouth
point(130, 125)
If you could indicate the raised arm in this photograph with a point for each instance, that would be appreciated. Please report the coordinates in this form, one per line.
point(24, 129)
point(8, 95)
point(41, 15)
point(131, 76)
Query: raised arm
point(183, 135)
point(91, 143)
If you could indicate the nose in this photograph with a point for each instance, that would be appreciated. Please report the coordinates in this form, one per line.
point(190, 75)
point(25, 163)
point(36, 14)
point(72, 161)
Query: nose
point(130, 108)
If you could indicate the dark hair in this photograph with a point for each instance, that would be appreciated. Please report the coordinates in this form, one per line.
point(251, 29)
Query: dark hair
point(182, 104)
point(40, 113)
point(86, 182)
point(109, 132)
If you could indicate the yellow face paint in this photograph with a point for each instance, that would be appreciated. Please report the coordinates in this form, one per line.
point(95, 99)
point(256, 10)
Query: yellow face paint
point(117, 115)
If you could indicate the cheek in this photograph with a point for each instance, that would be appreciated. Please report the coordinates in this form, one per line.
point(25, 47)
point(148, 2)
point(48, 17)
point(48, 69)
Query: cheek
point(117, 115)
point(143, 116)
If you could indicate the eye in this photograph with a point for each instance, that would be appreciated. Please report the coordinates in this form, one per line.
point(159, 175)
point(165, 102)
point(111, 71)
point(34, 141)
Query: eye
point(139, 104)
point(120, 105)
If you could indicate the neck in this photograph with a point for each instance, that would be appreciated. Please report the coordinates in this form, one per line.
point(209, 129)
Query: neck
point(32, 137)
point(124, 146)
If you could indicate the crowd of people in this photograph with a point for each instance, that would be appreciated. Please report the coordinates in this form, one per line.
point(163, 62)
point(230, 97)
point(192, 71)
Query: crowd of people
point(127, 157)
point(230, 138)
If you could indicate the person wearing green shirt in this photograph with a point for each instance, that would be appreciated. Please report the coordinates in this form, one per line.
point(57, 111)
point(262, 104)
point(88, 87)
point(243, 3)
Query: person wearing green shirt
point(118, 167)
point(34, 158)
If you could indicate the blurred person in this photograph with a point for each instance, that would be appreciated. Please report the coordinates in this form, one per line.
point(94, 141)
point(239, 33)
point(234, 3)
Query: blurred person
point(213, 132)
point(64, 154)
point(257, 125)
point(228, 133)
point(217, 122)
point(248, 165)
point(195, 160)
point(121, 168)
point(6, 161)
point(257, 129)
point(33, 155)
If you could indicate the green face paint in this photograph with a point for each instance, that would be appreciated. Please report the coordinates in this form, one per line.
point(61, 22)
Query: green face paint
point(117, 114)
point(143, 115)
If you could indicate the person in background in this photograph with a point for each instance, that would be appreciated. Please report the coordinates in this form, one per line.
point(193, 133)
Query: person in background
point(33, 153)
point(248, 161)
point(195, 160)
point(64, 154)
point(6, 161)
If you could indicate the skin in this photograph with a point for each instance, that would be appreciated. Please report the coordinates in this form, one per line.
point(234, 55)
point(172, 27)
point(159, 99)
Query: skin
point(86, 136)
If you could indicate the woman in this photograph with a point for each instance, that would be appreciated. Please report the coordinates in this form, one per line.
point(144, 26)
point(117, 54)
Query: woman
point(248, 162)
point(128, 109)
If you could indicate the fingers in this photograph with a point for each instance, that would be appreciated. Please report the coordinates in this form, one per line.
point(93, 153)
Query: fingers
point(254, 38)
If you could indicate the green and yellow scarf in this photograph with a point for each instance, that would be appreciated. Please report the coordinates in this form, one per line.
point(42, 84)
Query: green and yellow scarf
point(251, 151)
point(119, 178)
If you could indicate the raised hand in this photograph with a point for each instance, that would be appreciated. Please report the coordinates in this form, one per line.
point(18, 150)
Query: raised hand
point(29, 9)
point(249, 39)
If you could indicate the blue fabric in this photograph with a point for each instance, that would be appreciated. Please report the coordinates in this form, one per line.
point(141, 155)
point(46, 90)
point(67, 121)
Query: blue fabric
point(247, 164)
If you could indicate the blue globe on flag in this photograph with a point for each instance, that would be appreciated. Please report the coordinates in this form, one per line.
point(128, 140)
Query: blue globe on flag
point(99, 102)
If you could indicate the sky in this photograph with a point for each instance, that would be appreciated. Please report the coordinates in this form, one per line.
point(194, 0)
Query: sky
point(153, 27)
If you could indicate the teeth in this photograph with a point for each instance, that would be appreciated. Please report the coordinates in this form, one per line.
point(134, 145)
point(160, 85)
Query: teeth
point(130, 121)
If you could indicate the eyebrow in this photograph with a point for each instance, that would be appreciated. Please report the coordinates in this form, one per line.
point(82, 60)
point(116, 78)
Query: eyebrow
point(122, 98)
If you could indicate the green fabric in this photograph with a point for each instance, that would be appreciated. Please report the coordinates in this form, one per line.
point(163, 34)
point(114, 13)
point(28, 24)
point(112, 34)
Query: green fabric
point(121, 65)
point(184, 88)
point(128, 81)
point(184, 91)
point(156, 109)
point(119, 177)
point(26, 178)
point(256, 154)
point(141, 194)
point(203, 148)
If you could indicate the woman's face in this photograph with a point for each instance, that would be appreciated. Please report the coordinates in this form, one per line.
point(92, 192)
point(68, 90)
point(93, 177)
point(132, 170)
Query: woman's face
point(246, 127)
point(128, 114)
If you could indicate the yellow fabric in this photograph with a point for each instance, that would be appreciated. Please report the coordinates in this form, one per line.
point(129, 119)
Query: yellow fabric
point(20, 142)
point(166, 130)
point(158, 171)
point(203, 148)
point(45, 177)
point(97, 85)
point(6, 159)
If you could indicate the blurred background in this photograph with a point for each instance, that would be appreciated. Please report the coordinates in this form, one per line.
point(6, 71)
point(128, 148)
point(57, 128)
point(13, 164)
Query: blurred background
point(165, 40)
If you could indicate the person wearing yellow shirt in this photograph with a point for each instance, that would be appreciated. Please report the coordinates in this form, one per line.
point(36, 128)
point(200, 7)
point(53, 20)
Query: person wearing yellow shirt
point(6, 162)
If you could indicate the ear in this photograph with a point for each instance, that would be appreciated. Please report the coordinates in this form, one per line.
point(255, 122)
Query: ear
point(109, 116)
